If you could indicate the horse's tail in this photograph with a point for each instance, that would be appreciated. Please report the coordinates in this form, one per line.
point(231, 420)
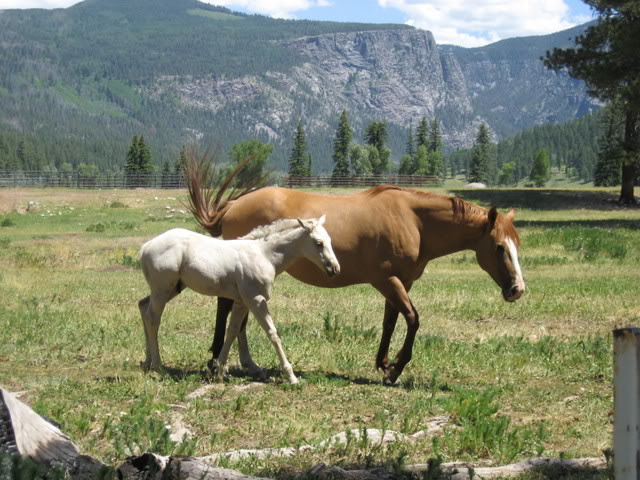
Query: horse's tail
point(212, 193)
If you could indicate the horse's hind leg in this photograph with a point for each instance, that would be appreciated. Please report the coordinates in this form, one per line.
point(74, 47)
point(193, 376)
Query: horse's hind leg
point(224, 307)
point(388, 326)
point(260, 310)
point(396, 294)
point(238, 313)
point(245, 356)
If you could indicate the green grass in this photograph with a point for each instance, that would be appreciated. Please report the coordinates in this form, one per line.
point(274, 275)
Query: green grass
point(518, 380)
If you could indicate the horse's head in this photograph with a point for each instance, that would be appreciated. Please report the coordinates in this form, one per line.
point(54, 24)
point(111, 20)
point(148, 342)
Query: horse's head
point(497, 254)
point(318, 247)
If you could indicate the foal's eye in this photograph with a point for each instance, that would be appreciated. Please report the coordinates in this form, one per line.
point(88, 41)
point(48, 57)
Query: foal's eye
point(319, 243)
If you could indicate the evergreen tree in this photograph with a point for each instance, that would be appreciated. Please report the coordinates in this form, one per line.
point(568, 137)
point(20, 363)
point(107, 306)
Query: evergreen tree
point(181, 161)
point(540, 173)
point(132, 157)
point(437, 160)
point(411, 147)
point(165, 180)
point(144, 157)
point(342, 144)
point(422, 134)
point(376, 136)
point(406, 165)
point(479, 165)
point(607, 57)
point(298, 160)
point(611, 152)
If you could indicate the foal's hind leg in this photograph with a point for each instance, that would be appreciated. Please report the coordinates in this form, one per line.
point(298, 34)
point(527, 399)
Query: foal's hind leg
point(151, 309)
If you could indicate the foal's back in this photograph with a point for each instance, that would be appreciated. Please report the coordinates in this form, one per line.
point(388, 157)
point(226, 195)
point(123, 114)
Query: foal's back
point(181, 258)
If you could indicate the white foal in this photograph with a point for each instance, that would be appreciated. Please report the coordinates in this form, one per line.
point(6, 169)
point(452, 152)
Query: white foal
point(242, 269)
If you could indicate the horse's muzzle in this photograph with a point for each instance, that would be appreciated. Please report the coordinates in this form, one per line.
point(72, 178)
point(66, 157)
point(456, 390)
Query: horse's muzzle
point(513, 293)
point(332, 271)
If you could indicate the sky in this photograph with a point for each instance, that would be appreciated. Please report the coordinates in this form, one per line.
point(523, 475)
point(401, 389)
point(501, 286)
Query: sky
point(468, 23)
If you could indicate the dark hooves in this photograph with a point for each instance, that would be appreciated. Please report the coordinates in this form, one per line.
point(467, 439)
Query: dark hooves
point(213, 366)
point(391, 375)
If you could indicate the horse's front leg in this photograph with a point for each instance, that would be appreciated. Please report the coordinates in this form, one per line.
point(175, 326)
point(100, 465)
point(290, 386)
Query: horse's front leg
point(238, 313)
point(259, 308)
point(397, 296)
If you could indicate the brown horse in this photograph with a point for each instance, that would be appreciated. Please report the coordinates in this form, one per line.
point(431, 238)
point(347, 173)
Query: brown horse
point(384, 236)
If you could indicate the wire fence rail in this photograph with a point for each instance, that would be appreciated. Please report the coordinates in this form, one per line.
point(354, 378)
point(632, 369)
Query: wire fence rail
point(14, 179)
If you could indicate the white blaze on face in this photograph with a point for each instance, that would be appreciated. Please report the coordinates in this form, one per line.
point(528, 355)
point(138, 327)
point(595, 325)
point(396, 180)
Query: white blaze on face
point(513, 253)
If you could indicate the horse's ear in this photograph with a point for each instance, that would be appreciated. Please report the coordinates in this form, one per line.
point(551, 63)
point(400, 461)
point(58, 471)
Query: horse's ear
point(511, 214)
point(322, 219)
point(492, 215)
point(303, 225)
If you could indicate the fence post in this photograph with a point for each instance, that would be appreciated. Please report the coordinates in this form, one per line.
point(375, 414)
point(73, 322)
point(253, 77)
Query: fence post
point(626, 395)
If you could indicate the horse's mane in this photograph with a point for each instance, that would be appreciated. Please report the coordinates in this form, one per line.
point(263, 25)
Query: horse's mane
point(279, 226)
point(463, 211)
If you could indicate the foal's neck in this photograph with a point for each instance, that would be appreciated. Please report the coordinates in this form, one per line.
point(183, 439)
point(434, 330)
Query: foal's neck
point(285, 249)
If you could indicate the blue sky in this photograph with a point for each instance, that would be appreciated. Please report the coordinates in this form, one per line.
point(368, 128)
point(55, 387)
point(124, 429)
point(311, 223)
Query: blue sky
point(469, 23)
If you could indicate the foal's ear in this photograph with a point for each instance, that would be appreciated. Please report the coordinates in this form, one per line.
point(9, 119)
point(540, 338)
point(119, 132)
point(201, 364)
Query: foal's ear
point(492, 215)
point(321, 220)
point(511, 214)
point(301, 222)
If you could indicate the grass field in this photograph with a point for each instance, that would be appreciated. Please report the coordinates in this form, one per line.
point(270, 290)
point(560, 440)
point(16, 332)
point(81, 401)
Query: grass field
point(517, 380)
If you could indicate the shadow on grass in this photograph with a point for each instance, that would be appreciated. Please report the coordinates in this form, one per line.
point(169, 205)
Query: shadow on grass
point(543, 199)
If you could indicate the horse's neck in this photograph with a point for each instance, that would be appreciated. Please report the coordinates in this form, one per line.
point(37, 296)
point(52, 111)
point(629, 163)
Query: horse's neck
point(445, 231)
point(284, 249)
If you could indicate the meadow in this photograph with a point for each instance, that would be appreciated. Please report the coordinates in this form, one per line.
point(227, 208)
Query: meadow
point(515, 381)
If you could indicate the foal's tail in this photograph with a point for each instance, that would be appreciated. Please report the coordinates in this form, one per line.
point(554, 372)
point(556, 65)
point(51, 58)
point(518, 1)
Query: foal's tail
point(211, 192)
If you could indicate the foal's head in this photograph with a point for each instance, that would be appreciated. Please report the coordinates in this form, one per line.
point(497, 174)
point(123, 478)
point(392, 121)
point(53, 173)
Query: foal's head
point(317, 246)
point(497, 254)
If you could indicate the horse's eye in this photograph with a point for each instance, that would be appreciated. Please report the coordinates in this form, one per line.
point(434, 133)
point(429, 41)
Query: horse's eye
point(500, 249)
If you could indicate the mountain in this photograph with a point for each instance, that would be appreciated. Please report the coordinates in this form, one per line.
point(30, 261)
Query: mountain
point(77, 84)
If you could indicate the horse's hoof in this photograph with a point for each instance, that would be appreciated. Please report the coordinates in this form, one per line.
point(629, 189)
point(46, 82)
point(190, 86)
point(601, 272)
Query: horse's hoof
point(258, 373)
point(213, 366)
point(390, 376)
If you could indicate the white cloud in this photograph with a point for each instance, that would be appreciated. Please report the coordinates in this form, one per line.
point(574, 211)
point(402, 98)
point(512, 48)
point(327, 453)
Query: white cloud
point(273, 8)
point(471, 23)
point(9, 4)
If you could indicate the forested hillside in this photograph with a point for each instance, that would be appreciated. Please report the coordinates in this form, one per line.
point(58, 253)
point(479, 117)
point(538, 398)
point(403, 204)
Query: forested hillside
point(77, 84)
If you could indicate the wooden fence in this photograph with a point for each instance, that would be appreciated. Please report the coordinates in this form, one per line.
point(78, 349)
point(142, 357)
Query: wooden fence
point(13, 179)
point(360, 181)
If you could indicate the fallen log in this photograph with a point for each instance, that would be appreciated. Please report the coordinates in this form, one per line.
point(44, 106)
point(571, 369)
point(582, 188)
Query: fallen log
point(25, 433)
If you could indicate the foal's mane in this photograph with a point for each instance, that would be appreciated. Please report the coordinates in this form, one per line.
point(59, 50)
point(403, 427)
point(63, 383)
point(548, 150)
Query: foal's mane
point(265, 231)
point(463, 211)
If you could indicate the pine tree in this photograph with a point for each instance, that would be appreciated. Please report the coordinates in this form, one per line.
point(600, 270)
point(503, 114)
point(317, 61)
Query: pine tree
point(144, 157)
point(411, 146)
point(606, 57)
point(181, 161)
point(422, 134)
point(479, 165)
point(376, 136)
point(342, 144)
point(298, 159)
point(435, 149)
point(611, 152)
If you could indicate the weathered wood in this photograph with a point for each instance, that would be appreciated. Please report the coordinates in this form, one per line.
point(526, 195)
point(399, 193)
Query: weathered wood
point(24, 432)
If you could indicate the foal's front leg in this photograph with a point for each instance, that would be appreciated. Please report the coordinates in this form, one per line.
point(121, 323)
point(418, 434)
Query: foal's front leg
point(259, 308)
